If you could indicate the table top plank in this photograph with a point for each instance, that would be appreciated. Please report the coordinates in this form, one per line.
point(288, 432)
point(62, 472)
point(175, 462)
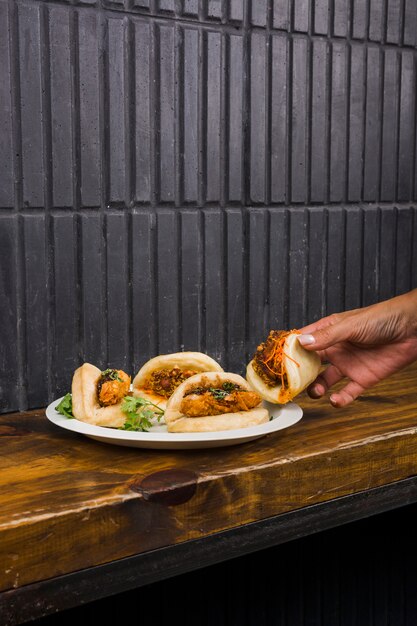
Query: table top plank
point(68, 502)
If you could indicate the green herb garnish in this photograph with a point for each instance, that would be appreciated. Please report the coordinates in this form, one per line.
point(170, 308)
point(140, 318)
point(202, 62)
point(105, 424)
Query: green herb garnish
point(217, 392)
point(139, 413)
point(65, 406)
point(229, 387)
point(220, 394)
point(111, 374)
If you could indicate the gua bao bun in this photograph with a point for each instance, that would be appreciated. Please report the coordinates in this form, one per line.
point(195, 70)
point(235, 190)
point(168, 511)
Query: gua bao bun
point(97, 396)
point(281, 367)
point(159, 377)
point(214, 401)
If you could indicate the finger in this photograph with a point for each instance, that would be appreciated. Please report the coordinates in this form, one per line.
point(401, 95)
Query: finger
point(346, 395)
point(315, 326)
point(340, 329)
point(329, 320)
point(324, 381)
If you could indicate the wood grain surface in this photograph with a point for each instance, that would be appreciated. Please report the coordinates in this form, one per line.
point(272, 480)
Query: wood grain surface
point(68, 502)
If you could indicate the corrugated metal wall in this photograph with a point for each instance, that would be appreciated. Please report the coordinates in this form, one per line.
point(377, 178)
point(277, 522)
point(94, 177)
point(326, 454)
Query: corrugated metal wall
point(190, 174)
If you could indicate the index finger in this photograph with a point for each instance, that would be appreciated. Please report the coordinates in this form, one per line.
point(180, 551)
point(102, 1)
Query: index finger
point(319, 325)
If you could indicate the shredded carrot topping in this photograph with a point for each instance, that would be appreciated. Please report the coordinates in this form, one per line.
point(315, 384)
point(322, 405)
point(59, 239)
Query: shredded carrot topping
point(273, 350)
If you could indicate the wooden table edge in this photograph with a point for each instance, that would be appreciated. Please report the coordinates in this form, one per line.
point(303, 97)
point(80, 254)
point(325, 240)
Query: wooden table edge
point(63, 592)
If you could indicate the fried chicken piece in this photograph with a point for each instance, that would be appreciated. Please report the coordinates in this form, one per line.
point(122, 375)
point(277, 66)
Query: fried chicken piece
point(112, 387)
point(202, 404)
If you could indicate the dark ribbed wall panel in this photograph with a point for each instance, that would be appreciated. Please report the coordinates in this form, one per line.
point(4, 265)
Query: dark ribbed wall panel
point(114, 109)
point(188, 174)
point(117, 288)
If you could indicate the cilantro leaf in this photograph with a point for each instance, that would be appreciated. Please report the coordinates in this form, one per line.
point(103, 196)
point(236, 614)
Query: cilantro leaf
point(139, 413)
point(65, 406)
point(229, 387)
point(111, 374)
point(218, 394)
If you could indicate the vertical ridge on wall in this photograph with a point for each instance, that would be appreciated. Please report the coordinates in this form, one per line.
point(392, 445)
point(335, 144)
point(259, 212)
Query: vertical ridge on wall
point(236, 140)
point(235, 270)
point(12, 376)
point(278, 242)
point(14, 128)
point(372, 116)
point(387, 243)
point(224, 111)
point(403, 260)
point(90, 110)
point(279, 115)
point(370, 264)
point(318, 121)
point(257, 304)
point(335, 279)
point(143, 287)
point(298, 131)
point(6, 108)
point(92, 303)
point(65, 346)
point(36, 305)
point(297, 267)
point(189, 127)
point(390, 121)
point(356, 121)
point(257, 118)
point(191, 309)
point(118, 323)
point(214, 278)
point(141, 88)
point(76, 113)
point(167, 281)
point(115, 122)
point(353, 258)
point(317, 264)
point(338, 122)
point(103, 109)
point(407, 122)
point(59, 64)
point(31, 114)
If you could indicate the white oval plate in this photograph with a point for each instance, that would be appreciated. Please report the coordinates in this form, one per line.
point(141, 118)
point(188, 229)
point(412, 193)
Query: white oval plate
point(283, 416)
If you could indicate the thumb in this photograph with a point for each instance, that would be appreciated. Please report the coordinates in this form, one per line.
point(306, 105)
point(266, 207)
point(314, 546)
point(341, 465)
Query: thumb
point(337, 329)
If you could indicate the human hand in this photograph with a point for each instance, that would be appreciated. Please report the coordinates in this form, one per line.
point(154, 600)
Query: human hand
point(364, 345)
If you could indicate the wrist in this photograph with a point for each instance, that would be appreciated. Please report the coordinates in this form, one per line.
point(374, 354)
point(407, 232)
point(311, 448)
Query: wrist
point(413, 296)
point(410, 310)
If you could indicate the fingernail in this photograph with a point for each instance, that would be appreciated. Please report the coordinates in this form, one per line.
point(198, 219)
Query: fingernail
point(333, 400)
point(306, 340)
point(317, 391)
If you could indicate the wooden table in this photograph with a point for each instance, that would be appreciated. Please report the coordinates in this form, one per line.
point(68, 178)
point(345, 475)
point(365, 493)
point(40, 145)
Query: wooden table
point(81, 520)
